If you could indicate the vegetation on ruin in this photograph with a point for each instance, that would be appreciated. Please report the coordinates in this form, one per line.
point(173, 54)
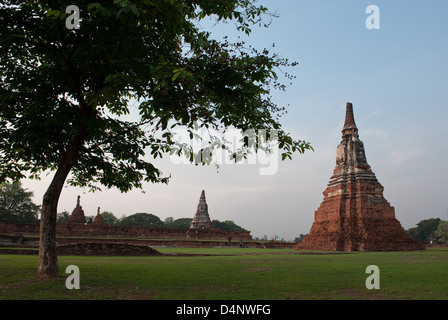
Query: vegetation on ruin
point(260, 274)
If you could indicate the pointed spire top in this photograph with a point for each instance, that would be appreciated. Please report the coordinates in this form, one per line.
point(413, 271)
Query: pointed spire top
point(78, 201)
point(202, 195)
point(349, 125)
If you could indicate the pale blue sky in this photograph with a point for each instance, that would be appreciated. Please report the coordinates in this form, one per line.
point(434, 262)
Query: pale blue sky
point(396, 77)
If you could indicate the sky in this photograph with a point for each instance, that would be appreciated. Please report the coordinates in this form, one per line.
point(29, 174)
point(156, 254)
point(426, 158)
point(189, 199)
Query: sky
point(396, 78)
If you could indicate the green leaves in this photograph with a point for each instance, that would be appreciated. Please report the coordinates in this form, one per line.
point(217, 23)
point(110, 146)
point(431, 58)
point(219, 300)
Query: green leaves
point(182, 73)
point(16, 205)
point(126, 8)
point(58, 14)
point(116, 86)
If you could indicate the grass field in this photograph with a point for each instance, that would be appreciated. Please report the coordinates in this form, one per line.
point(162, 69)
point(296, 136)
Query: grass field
point(234, 274)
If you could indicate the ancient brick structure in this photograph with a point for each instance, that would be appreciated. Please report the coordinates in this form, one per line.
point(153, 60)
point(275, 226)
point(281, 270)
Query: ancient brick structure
point(98, 219)
point(111, 231)
point(201, 219)
point(78, 227)
point(20, 244)
point(77, 215)
point(354, 215)
point(106, 249)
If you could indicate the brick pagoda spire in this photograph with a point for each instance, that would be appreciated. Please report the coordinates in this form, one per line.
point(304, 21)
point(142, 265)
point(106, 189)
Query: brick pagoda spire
point(98, 219)
point(77, 215)
point(354, 215)
point(201, 219)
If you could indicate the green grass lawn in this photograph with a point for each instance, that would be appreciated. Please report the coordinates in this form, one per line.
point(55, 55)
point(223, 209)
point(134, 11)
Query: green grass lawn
point(260, 274)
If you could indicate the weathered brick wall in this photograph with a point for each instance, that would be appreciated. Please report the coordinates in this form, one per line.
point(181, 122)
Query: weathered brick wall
point(80, 248)
point(82, 230)
point(19, 228)
point(105, 249)
point(32, 241)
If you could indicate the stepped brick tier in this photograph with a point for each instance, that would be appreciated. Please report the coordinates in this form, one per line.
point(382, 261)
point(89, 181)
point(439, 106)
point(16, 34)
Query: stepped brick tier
point(201, 219)
point(354, 215)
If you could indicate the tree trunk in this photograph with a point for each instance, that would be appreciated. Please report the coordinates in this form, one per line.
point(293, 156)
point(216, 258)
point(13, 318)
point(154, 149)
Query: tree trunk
point(48, 261)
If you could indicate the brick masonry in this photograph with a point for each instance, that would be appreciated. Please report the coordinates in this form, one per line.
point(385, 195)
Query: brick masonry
point(354, 215)
point(105, 230)
point(29, 244)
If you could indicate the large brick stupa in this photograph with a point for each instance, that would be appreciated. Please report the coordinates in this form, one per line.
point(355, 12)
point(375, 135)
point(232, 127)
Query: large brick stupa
point(354, 215)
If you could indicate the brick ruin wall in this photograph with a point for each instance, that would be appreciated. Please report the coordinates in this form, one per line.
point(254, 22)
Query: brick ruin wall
point(92, 230)
point(29, 244)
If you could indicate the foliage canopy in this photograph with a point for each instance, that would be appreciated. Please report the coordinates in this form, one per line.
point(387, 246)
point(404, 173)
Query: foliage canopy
point(16, 205)
point(424, 230)
point(68, 91)
point(141, 220)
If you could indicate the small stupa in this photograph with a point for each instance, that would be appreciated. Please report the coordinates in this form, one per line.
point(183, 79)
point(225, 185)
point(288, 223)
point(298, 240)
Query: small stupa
point(98, 219)
point(77, 215)
point(201, 219)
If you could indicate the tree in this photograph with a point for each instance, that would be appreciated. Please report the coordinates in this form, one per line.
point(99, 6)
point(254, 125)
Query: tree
point(168, 220)
point(227, 226)
point(65, 94)
point(441, 234)
point(182, 223)
point(16, 205)
point(109, 217)
point(141, 220)
point(63, 216)
point(424, 230)
point(300, 238)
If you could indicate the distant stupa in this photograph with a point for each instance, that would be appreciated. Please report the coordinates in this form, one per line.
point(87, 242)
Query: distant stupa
point(77, 215)
point(98, 219)
point(201, 219)
point(354, 215)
